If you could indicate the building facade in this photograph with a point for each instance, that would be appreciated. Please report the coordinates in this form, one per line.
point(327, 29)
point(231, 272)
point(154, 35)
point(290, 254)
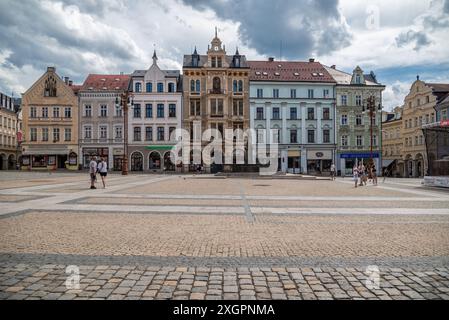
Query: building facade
point(154, 117)
point(392, 143)
point(9, 132)
point(216, 93)
point(50, 124)
point(419, 110)
point(292, 104)
point(354, 122)
point(101, 124)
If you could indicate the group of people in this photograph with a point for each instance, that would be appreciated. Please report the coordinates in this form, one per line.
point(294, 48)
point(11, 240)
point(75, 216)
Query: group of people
point(100, 167)
point(362, 174)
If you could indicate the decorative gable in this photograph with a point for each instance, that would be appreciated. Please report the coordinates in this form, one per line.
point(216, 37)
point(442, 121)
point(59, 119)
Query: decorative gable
point(357, 77)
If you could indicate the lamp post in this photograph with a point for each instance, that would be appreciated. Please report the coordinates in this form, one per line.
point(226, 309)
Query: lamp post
point(125, 100)
point(370, 106)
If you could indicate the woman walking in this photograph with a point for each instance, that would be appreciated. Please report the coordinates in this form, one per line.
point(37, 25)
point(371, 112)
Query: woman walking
point(102, 168)
point(355, 173)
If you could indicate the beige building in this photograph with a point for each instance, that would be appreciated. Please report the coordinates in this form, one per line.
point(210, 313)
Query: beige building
point(50, 124)
point(419, 110)
point(9, 128)
point(216, 91)
point(392, 143)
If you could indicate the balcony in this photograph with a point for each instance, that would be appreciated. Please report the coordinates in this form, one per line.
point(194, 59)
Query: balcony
point(217, 91)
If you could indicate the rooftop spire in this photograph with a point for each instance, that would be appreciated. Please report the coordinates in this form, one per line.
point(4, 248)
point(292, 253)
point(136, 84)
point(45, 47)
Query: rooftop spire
point(216, 32)
point(195, 52)
point(154, 57)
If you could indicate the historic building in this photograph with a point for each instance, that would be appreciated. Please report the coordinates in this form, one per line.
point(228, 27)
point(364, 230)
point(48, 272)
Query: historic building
point(358, 130)
point(155, 115)
point(101, 124)
point(419, 110)
point(216, 91)
point(392, 143)
point(50, 124)
point(293, 104)
point(9, 132)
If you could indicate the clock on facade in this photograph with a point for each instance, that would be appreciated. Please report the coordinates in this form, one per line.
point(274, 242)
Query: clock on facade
point(216, 48)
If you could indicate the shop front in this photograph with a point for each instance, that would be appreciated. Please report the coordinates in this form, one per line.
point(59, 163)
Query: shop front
point(49, 160)
point(88, 153)
point(117, 157)
point(349, 160)
point(319, 162)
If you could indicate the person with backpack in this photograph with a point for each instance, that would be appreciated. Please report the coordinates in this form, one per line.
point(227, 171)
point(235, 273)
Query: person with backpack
point(102, 169)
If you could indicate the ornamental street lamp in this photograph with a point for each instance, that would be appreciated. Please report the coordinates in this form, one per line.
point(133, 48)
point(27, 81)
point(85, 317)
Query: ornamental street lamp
point(370, 106)
point(125, 101)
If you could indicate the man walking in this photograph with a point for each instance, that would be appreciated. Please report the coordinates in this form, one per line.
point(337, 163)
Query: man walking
point(102, 168)
point(93, 172)
point(333, 175)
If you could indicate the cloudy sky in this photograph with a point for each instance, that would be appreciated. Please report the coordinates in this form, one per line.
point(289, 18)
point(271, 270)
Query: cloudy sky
point(396, 39)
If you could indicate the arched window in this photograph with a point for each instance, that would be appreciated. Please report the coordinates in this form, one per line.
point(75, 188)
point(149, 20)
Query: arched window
point(234, 86)
point(154, 162)
point(50, 87)
point(171, 87)
point(138, 87)
point(149, 87)
point(160, 87)
point(136, 161)
point(217, 85)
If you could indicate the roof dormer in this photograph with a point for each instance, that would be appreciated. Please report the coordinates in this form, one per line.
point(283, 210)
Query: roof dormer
point(357, 76)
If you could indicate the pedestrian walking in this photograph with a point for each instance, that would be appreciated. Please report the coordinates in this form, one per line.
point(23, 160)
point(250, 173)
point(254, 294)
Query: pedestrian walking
point(102, 169)
point(362, 174)
point(374, 174)
point(93, 172)
point(355, 175)
point(333, 175)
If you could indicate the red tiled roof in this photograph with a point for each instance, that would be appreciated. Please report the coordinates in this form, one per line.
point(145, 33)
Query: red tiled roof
point(76, 88)
point(109, 82)
point(289, 71)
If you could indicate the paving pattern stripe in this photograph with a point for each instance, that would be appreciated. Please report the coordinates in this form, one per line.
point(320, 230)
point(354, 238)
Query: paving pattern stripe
point(393, 262)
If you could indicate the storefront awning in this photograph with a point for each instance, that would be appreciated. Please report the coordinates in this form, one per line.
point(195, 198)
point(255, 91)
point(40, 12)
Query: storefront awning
point(46, 152)
point(162, 148)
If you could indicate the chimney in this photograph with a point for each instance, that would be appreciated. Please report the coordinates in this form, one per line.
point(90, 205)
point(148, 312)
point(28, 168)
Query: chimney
point(70, 83)
point(334, 66)
point(51, 69)
point(271, 59)
point(66, 80)
point(311, 60)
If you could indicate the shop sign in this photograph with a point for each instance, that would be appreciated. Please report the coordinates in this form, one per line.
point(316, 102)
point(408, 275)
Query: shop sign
point(73, 159)
point(319, 155)
point(358, 155)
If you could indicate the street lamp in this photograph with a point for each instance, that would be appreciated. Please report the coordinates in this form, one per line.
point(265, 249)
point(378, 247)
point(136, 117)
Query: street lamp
point(125, 101)
point(370, 106)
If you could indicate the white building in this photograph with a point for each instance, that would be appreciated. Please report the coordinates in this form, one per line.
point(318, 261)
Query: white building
point(297, 100)
point(155, 115)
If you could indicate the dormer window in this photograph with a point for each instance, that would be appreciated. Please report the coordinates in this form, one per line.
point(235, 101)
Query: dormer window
point(358, 79)
point(160, 87)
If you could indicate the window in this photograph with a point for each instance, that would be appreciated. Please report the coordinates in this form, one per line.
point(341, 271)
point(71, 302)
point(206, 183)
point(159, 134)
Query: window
point(160, 87)
point(358, 120)
point(358, 101)
point(88, 111)
point(55, 134)
point(160, 111)
point(359, 141)
point(103, 111)
point(326, 136)
point(358, 80)
point(160, 134)
point(259, 93)
point(344, 100)
point(137, 134)
point(148, 134)
point(67, 134)
point(326, 114)
point(103, 132)
point(275, 93)
point(344, 141)
point(427, 99)
point(55, 112)
point(259, 114)
point(311, 136)
point(44, 112)
point(138, 87)
point(310, 93)
point(137, 111)
point(237, 86)
point(149, 111)
point(219, 62)
point(344, 119)
point(195, 107)
point(418, 102)
point(293, 93)
point(444, 115)
point(67, 112)
point(310, 114)
point(325, 93)
point(216, 106)
point(238, 108)
point(276, 114)
point(33, 112)
point(427, 119)
point(293, 136)
point(87, 132)
point(171, 87)
point(149, 87)
point(33, 134)
point(375, 140)
point(293, 113)
point(118, 133)
point(172, 110)
point(192, 85)
point(44, 134)
point(195, 86)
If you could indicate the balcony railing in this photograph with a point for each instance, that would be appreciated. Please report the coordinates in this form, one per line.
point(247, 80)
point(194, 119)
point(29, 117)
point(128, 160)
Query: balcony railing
point(217, 91)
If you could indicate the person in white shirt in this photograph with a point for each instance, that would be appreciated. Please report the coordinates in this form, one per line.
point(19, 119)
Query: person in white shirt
point(93, 172)
point(333, 175)
point(102, 168)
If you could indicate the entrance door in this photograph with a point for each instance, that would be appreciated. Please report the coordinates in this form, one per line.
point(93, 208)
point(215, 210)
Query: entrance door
point(61, 161)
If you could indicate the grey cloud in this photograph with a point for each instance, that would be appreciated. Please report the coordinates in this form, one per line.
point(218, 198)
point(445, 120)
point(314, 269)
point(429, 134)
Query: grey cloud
point(96, 7)
point(420, 39)
point(304, 27)
point(446, 6)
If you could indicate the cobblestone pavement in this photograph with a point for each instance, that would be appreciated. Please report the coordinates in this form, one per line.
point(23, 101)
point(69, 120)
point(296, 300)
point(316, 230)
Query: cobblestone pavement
point(187, 237)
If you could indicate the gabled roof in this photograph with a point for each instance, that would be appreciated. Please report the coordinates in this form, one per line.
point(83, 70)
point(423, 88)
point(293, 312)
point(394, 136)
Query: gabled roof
point(438, 87)
point(344, 78)
point(292, 71)
point(188, 63)
point(167, 73)
point(105, 82)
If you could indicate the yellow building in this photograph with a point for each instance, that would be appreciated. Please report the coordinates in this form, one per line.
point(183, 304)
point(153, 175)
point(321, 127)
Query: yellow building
point(50, 124)
point(419, 110)
point(392, 144)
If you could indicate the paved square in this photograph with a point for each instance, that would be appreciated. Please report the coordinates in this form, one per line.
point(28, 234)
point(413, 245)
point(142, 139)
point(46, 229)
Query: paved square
point(204, 237)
